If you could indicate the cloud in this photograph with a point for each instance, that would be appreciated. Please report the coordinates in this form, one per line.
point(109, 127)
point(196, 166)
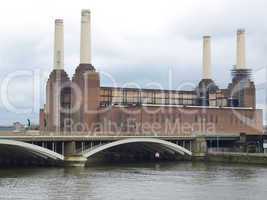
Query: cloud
point(136, 41)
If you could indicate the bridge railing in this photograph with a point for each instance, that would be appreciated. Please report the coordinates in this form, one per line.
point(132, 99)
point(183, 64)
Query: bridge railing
point(110, 134)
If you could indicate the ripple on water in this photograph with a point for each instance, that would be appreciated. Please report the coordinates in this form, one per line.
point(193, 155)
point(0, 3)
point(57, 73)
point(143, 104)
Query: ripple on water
point(136, 181)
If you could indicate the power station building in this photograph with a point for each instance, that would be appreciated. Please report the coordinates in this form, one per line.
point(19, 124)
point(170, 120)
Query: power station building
point(81, 104)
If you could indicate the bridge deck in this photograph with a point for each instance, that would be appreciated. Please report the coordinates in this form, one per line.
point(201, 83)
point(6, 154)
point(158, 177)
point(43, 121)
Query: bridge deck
point(51, 136)
point(86, 138)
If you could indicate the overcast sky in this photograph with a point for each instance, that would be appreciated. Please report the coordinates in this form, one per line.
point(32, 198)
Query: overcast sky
point(133, 41)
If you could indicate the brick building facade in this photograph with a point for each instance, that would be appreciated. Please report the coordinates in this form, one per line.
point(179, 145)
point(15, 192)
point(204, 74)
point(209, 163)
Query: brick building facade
point(81, 104)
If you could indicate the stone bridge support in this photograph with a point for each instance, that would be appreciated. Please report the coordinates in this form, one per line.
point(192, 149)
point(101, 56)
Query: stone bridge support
point(71, 158)
point(200, 148)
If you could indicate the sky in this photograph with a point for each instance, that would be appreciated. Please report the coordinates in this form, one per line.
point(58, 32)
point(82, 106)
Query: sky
point(133, 42)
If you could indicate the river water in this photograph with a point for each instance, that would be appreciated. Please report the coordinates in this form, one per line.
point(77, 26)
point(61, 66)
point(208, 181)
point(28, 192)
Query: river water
point(144, 181)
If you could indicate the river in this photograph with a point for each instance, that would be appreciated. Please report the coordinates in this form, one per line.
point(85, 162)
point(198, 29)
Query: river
point(144, 181)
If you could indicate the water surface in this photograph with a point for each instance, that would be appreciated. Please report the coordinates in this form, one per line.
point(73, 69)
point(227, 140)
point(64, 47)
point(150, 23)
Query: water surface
point(142, 181)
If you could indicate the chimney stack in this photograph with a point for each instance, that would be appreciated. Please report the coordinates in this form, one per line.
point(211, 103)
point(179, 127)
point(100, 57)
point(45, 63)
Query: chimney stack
point(85, 51)
point(240, 50)
point(206, 58)
point(59, 44)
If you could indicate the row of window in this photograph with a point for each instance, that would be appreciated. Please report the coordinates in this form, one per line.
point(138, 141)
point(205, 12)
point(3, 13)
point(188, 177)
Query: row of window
point(149, 94)
point(147, 100)
point(156, 93)
point(121, 96)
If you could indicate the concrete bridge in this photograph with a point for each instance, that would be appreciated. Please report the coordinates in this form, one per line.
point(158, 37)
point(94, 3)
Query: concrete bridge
point(76, 150)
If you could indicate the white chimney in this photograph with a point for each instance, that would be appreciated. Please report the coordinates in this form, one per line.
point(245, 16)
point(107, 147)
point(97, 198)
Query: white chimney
point(59, 44)
point(85, 51)
point(240, 50)
point(206, 58)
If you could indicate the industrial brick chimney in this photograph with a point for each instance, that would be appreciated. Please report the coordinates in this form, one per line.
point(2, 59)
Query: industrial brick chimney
point(85, 46)
point(206, 86)
point(240, 50)
point(85, 79)
point(242, 88)
point(206, 60)
point(59, 44)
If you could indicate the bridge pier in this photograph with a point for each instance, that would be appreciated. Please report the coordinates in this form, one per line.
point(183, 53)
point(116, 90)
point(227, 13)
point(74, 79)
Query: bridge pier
point(199, 150)
point(71, 158)
point(74, 161)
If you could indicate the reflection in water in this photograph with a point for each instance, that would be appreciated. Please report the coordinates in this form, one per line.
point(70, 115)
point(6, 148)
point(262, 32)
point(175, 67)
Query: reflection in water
point(184, 180)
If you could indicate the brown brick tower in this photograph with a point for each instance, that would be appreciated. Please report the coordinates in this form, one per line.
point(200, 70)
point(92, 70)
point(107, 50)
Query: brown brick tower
point(85, 82)
point(58, 86)
point(57, 100)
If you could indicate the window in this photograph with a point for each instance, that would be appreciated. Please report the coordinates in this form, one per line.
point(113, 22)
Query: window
point(117, 95)
point(147, 97)
point(132, 96)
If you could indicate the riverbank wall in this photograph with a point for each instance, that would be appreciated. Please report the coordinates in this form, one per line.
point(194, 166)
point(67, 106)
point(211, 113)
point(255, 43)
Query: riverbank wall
point(230, 157)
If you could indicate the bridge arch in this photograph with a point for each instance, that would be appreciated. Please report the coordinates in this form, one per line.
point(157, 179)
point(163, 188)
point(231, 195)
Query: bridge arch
point(176, 148)
point(35, 149)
